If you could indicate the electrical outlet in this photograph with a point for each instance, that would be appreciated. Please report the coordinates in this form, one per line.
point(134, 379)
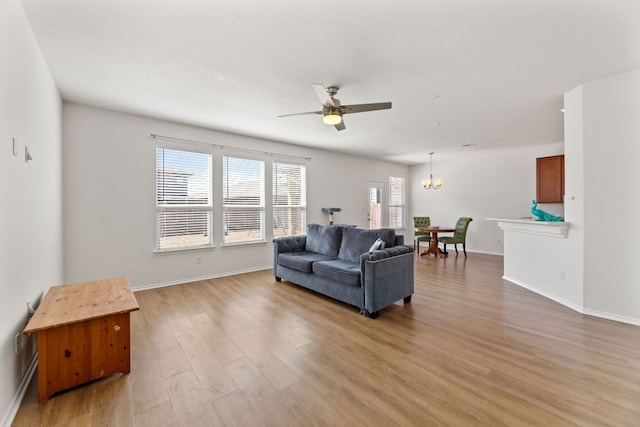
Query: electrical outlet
point(199, 260)
point(30, 309)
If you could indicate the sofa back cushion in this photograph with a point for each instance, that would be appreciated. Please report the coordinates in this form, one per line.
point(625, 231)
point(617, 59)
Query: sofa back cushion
point(357, 241)
point(323, 239)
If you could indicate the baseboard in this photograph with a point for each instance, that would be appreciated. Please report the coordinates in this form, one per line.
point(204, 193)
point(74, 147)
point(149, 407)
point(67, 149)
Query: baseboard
point(195, 279)
point(576, 307)
point(614, 317)
point(485, 252)
point(469, 251)
point(22, 389)
point(566, 303)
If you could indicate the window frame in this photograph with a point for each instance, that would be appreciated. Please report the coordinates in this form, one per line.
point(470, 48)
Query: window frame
point(259, 208)
point(161, 208)
point(301, 207)
point(402, 206)
point(215, 208)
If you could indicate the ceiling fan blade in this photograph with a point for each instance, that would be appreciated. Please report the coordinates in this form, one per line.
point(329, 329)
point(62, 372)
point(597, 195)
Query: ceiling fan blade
point(300, 114)
point(323, 95)
point(340, 126)
point(360, 108)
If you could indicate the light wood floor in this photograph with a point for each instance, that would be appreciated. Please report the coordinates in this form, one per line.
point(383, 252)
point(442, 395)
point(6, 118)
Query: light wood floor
point(470, 349)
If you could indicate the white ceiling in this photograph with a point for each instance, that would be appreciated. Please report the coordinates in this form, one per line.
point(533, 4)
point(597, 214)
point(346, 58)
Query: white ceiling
point(491, 72)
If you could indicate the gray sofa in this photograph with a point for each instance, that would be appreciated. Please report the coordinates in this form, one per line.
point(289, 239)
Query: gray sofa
point(340, 262)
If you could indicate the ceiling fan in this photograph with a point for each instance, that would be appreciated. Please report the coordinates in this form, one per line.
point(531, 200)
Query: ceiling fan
point(332, 111)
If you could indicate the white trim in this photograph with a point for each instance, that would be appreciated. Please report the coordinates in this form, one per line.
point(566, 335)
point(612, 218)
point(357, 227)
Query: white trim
point(9, 416)
point(529, 226)
point(184, 249)
point(479, 252)
point(562, 301)
point(580, 309)
point(244, 243)
point(195, 279)
point(611, 316)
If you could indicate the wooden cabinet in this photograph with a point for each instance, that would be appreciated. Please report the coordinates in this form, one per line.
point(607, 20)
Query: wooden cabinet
point(83, 333)
point(550, 179)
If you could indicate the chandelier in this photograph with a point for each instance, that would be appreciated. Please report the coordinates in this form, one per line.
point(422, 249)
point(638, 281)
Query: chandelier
point(428, 184)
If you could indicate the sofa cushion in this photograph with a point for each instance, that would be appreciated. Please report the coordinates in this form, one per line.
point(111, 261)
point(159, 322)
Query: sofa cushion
point(357, 241)
point(339, 270)
point(323, 239)
point(301, 261)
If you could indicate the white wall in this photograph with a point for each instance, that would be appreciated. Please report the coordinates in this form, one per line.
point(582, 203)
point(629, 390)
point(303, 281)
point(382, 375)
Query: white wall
point(543, 264)
point(30, 194)
point(599, 256)
point(481, 184)
point(611, 141)
point(574, 186)
point(109, 203)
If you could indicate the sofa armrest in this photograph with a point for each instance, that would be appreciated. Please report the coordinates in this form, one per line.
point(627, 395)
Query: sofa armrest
point(385, 253)
point(387, 276)
point(287, 244)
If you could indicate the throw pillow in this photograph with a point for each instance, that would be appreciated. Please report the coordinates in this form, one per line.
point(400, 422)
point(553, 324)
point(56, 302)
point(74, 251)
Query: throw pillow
point(378, 244)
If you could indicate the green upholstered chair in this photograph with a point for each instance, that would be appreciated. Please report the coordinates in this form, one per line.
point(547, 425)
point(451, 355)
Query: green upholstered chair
point(420, 221)
point(459, 236)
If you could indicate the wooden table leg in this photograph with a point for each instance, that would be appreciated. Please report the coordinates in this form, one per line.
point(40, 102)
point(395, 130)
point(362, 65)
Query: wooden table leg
point(433, 247)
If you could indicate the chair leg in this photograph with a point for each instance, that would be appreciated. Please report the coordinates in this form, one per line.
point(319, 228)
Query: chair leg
point(456, 246)
point(445, 248)
point(464, 248)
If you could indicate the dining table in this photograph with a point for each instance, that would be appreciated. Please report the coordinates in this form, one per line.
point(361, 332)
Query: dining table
point(433, 243)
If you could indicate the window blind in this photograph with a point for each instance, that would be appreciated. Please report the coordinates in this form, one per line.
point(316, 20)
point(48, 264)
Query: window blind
point(183, 198)
point(243, 191)
point(396, 202)
point(289, 199)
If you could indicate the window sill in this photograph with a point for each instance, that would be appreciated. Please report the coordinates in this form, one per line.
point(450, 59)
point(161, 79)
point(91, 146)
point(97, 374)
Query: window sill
point(182, 250)
point(253, 242)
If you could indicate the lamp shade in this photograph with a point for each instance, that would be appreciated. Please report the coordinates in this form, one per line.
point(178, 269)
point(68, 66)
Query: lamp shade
point(331, 117)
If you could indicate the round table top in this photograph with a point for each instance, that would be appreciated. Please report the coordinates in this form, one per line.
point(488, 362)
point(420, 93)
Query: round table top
point(435, 229)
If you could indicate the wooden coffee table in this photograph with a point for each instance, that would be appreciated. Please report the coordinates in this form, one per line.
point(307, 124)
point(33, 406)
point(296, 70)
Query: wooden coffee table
point(83, 333)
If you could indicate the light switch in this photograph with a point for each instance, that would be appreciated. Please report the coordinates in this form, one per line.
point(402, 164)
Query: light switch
point(15, 147)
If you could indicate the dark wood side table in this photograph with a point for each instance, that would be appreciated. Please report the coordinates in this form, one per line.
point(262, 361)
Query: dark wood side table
point(83, 333)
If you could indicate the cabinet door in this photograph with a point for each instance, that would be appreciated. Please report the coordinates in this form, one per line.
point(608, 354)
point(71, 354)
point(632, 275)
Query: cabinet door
point(550, 179)
point(63, 358)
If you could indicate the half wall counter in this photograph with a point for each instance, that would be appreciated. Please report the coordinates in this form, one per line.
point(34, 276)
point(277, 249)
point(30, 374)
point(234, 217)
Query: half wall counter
point(537, 257)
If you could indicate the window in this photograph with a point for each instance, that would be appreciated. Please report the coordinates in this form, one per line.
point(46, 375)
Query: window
point(289, 199)
point(250, 198)
point(183, 198)
point(396, 202)
point(243, 199)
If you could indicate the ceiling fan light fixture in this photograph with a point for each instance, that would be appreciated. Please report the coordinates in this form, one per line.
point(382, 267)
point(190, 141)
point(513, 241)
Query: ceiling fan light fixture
point(331, 117)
